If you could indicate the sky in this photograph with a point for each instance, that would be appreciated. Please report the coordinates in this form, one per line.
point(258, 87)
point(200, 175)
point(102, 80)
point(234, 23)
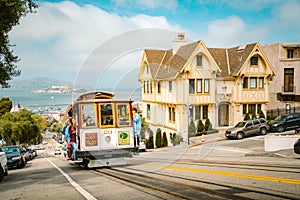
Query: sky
point(99, 43)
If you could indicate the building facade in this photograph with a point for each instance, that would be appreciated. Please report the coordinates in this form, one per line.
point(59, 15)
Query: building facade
point(193, 82)
point(285, 89)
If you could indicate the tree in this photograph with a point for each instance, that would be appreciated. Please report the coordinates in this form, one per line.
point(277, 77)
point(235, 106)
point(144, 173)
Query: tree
point(10, 14)
point(158, 142)
point(5, 105)
point(22, 127)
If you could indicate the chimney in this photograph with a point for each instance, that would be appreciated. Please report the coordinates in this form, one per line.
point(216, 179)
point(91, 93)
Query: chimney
point(178, 42)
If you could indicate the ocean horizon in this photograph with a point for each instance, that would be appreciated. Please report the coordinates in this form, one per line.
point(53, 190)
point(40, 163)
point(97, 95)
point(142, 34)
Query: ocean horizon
point(30, 100)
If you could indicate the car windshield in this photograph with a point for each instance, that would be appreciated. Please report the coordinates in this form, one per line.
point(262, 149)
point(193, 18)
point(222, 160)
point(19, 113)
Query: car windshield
point(9, 150)
point(281, 117)
point(240, 124)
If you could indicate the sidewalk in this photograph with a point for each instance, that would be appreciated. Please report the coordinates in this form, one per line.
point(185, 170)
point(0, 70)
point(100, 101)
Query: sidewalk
point(257, 149)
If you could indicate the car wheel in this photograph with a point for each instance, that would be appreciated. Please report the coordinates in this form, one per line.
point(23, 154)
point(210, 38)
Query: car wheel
point(22, 164)
point(280, 129)
point(239, 135)
point(6, 171)
point(1, 173)
point(263, 131)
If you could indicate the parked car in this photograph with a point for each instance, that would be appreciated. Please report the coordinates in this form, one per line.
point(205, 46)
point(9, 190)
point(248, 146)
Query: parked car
point(3, 165)
point(247, 128)
point(57, 151)
point(31, 153)
point(297, 146)
point(16, 156)
point(285, 121)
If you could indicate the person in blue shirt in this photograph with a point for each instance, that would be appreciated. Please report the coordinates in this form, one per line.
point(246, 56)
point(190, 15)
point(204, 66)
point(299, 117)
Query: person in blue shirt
point(65, 131)
point(137, 124)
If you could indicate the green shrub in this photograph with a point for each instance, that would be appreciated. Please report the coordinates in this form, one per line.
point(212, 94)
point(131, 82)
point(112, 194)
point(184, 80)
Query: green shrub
point(165, 140)
point(200, 127)
point(158, 142)
point(192, 128)
point(176, 139)
point(261, 114)
point(150, 142)
point(247, 116)
point(207, 125)
point(253, 116)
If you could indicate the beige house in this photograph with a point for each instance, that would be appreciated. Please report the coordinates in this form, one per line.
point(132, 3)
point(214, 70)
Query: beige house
point(285, 58)
point(193, 82)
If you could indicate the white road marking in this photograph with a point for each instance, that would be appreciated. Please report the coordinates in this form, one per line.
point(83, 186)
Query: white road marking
point(84, 193)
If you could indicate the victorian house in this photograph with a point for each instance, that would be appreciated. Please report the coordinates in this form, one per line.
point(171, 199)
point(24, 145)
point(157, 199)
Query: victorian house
point(193, 82)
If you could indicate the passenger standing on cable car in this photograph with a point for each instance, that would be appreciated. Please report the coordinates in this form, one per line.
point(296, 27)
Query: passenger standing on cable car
point(66, 133)
point(73, 139)
point(137, 124)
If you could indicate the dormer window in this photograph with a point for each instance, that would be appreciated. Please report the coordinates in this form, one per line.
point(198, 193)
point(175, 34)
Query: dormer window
point(147, 69)
point(254, 60)
point(199, 60)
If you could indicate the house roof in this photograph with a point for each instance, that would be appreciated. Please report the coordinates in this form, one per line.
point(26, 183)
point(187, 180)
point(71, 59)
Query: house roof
point(231, 60)
point(164, 64)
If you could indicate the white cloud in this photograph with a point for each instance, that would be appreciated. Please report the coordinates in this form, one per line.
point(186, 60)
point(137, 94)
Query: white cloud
point(58, 39)
point(225, 32)
point(289, 14)
point(147, 4)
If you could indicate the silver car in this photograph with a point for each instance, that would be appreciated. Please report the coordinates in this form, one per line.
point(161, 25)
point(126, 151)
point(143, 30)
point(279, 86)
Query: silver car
point(247, 128)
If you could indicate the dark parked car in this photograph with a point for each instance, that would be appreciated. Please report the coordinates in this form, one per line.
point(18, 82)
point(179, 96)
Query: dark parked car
point(246, 128)
point(16, 156)
point(297, 146)
point(286, 121)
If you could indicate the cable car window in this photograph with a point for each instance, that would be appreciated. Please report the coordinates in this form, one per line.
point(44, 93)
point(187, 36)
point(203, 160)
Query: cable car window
point(106, 115)
point(123, 114)
point(88, 116)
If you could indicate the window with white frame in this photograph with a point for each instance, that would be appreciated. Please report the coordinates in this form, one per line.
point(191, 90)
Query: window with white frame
point(172, 114)
point(254, 60)
point(201, 85)
point(191, 86)
point(148, 111)
point(198, 112)
point(158, 87)
point(253, 82)
point(170, 86)
point(199, 60)
point(251, 108)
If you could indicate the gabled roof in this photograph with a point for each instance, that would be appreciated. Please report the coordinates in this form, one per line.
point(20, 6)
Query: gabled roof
point(164, 65)
point(231, 60)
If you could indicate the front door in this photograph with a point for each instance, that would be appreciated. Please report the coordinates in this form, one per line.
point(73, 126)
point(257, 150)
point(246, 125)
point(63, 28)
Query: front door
point(223, 115)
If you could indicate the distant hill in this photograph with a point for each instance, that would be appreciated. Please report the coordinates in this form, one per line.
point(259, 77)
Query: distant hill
point(39, 83)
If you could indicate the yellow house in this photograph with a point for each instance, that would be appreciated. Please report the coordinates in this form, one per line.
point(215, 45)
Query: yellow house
point(193, 82)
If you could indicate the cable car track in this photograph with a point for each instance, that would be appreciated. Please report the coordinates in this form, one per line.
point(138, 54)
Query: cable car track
point(235, 165)
point(190, 188)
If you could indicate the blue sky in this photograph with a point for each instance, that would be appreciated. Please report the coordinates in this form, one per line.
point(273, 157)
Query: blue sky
point(64, 39)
